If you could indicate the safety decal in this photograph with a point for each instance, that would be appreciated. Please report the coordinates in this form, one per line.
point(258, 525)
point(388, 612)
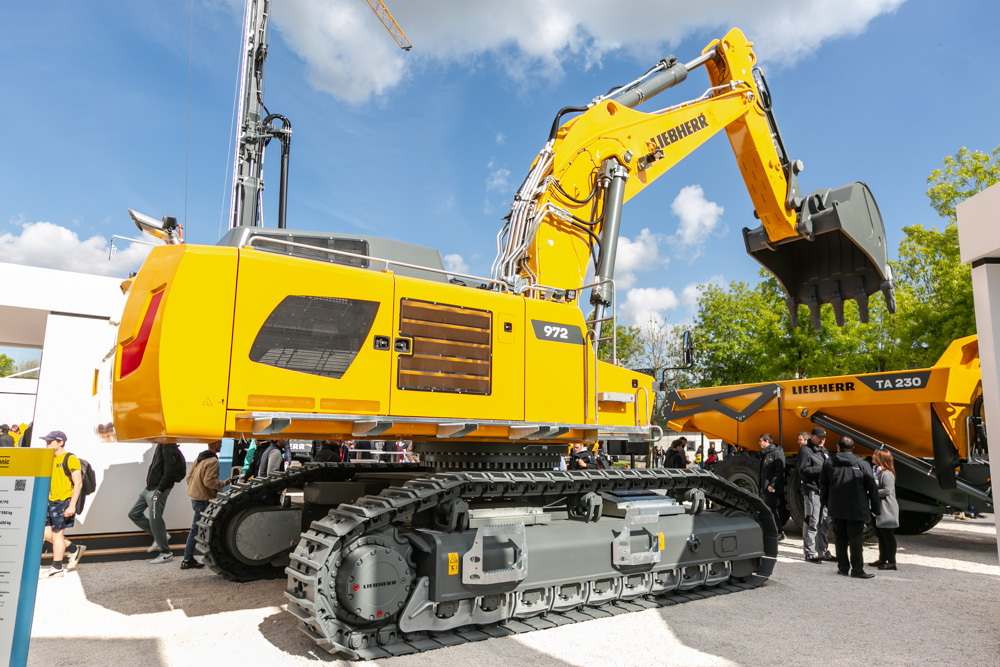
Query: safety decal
point(453, 563)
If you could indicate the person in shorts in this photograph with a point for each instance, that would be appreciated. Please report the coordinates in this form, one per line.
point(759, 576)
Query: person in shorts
point(63, 494)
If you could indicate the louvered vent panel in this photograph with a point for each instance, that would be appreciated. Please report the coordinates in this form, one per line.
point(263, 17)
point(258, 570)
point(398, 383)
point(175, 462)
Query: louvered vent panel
point(452, 348)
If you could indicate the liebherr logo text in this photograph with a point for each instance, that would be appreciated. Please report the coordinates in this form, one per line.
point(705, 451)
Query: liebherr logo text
point(380, 584)
point(664, 139)
point(823, 388)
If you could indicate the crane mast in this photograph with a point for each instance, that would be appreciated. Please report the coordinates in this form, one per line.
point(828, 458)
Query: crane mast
point(256, 126)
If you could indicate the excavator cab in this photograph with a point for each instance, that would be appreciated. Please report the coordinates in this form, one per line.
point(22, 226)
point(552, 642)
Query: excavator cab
point(840, 254)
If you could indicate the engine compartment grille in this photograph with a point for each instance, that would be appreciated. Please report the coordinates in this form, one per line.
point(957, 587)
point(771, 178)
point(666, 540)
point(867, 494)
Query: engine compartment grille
point(452, 348)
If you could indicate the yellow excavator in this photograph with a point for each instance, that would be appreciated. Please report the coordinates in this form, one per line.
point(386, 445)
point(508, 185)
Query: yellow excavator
point(291, 334)
point(931, 419)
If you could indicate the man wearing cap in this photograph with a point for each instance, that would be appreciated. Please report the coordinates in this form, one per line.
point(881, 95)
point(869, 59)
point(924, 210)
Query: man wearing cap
point(816, 522)
point(64, 491)
point(6, 439)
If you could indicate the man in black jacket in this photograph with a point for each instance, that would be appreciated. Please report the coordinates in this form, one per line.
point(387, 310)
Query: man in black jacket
point(772, 476)
point(166, 469)
point(848, 489)
point(675, 455)
point(815, 525)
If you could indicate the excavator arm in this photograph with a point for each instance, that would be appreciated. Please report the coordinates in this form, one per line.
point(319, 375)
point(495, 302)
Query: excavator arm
point(824, 248)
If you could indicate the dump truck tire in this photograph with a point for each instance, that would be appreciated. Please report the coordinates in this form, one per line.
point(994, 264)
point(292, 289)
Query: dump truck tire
point(915, 523)
point(741, 470)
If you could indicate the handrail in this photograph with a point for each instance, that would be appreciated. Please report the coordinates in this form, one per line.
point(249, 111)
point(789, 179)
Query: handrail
point(643, 389)
point(586, 366)
point(387, 262)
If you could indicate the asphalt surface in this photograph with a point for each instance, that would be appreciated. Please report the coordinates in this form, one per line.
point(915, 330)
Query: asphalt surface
point(942, 607)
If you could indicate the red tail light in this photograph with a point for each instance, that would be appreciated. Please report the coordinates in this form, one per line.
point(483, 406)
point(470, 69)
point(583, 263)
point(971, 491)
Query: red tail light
point(132, 352)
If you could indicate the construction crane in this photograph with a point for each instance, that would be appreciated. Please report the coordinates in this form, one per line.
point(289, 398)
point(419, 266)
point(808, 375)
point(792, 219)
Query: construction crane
point(390, 24)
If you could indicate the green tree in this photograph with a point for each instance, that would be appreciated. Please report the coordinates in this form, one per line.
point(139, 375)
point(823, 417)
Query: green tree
point(744, 336)
point(964, 174)
point(934, 294)
point(6, 365)
point(628, 347)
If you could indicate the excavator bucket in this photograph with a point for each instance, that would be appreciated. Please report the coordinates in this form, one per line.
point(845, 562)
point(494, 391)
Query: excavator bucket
point(840, 254)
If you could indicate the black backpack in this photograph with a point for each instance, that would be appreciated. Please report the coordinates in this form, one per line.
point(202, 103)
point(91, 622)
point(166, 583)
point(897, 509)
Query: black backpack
point(254, 466)
point(89, 479)
point(179, 477)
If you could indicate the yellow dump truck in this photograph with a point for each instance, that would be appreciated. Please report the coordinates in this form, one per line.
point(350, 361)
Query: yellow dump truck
point(931, 420)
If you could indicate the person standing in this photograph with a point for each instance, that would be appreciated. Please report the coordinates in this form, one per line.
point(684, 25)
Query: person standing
point(203, 485)
point(166, 469)
point(848, 490)
point(581, 458)
point(273, 458)
point(6, 439)
point(815, 525)
point(64, 492)
point(333, 451)
point(675, 455)
point(823, 529)
point(772, 477)
point(887, 521)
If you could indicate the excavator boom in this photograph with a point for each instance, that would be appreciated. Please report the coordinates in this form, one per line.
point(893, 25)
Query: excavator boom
point(824, 248)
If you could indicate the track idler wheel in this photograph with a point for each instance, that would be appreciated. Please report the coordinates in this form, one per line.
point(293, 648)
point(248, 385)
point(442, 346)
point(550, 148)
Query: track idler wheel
point(375, 577)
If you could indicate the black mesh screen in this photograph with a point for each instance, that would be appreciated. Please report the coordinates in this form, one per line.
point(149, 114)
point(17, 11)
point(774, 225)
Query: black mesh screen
point(356, 246)
point(314, 334)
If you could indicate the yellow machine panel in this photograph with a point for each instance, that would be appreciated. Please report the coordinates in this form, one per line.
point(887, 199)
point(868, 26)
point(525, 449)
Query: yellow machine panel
point(170, 362)
point(306, 342)
point(457, 353)
point(623, 396)
point(559, 365)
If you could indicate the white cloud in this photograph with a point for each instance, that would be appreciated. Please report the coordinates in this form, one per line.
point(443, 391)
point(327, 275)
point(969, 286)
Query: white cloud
point(641, 254)
point(498, 180)
point(699, 217)
point(692, 292)
point(50, 246)
point(501, 138)
point(349, 54)
point(454, 263)
point(447, 204)
point(645, 303)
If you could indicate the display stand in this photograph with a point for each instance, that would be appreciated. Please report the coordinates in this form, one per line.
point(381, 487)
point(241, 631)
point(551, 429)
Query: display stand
point(24, 497)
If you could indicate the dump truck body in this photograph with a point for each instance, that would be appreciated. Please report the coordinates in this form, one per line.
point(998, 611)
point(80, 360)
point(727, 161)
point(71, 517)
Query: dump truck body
point(931, 420)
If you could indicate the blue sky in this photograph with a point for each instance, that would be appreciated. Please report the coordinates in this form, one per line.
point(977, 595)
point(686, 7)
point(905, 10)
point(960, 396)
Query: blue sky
point(428, 146)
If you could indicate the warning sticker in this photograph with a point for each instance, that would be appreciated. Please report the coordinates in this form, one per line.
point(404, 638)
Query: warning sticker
point(453, 563)
point(660, 535)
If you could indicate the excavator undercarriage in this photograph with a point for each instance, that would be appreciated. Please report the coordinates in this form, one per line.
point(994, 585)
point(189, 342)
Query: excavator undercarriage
point(444, 559)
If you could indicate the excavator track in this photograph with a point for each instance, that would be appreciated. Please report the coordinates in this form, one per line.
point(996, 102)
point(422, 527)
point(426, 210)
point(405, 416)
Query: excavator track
point(262, 491)
point(335, 548)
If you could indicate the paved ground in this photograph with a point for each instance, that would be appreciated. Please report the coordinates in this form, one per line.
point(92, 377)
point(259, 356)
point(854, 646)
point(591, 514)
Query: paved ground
point(942, 607)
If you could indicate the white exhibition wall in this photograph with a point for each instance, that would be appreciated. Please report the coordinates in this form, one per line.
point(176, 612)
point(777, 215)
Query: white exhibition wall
point(68, 315)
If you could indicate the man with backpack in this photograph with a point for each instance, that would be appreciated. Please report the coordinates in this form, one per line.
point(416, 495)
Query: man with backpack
point(64, 492)
point(167, 468)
